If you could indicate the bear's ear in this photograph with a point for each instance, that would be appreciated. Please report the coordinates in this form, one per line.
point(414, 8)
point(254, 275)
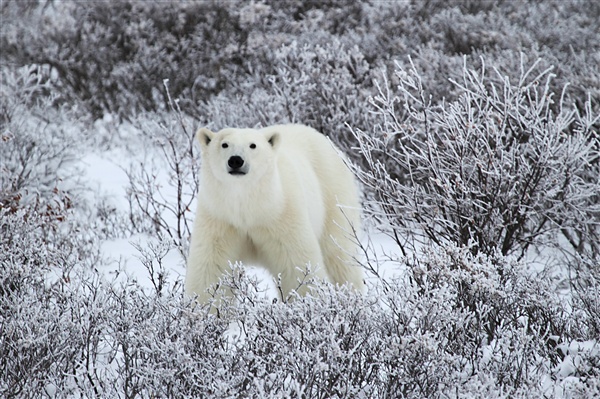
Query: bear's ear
point(204, 136)
point(273, 139)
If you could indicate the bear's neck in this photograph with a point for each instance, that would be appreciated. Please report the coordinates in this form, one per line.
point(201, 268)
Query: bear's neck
point(245, 206)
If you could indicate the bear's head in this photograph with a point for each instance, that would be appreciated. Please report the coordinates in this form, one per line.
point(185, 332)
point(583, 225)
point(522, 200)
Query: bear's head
point(238, 153)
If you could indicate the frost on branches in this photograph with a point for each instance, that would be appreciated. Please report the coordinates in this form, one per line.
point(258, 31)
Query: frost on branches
point(508, 166)
point(481, 165)
point(457, 324)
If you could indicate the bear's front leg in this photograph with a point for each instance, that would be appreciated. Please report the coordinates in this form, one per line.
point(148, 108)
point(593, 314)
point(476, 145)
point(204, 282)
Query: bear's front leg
point(214, 244)
point(289, 255)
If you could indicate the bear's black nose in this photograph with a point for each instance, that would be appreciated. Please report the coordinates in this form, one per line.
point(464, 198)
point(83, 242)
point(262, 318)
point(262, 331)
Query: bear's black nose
point(235, 162)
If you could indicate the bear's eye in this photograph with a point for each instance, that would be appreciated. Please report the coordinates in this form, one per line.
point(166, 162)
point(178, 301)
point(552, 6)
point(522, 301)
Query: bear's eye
point(253, 146)
point(224, 145)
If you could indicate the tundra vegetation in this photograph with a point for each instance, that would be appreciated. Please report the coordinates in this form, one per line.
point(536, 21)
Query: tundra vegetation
point(473, 127)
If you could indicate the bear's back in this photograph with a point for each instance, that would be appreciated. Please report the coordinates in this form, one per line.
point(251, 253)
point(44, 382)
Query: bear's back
point(336, 181)
point(304, 141)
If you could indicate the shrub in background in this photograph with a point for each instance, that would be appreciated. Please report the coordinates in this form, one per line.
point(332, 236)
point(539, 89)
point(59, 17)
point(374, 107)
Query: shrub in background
point(37, 149)
point(496, 170)
point(323, 86)
point(111, 57)
point(154, 208)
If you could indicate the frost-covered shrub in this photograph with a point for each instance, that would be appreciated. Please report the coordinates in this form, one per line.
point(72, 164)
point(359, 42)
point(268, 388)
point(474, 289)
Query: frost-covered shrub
point(455, 324)
point(66, 330)
point(496, 169)
point(113, 56)
point(162, 347)
point(49, 324)
point(586, 297)
point(437, 34)
point(37, 147)
point(504, 306)
point(310, 347)
point(155, 209)
point(323, 86)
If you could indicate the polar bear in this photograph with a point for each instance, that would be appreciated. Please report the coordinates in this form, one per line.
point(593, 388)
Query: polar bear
point(280, 197)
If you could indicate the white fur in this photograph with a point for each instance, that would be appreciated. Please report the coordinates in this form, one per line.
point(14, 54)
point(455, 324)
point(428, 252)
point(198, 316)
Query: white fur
point(296, 205)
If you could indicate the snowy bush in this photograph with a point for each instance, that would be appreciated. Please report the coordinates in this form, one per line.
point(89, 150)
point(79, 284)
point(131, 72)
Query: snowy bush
point(497, 169)
point(454, 326)
point(35, 150)
point(113, 56)
point(323, 86)
point(155, 209)
point(49, 321)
